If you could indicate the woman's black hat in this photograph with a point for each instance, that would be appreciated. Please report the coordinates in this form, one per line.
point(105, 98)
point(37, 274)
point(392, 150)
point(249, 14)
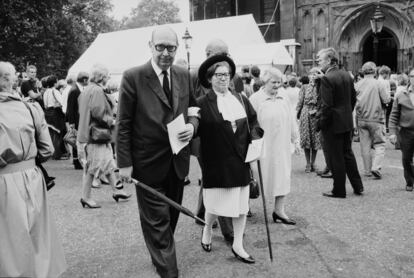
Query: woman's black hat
point(202, 71)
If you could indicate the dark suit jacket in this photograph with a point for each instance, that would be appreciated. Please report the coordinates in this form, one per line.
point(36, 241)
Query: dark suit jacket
point(223, 152)
point(338, 98)
point(72, 110)
point(143, 115)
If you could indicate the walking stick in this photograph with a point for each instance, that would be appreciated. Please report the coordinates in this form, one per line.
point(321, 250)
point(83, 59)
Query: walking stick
point(269, 243)
point(167, 200)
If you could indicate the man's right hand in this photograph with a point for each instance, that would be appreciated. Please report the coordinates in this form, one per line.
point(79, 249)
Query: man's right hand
point(125, 174)
point(393, 138)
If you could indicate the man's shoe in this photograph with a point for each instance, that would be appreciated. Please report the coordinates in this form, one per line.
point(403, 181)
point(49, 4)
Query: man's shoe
point(331, 195)
point(359, 192)
point(376, 174)
point(409, 187)
point(321, 172)
point(327, 175)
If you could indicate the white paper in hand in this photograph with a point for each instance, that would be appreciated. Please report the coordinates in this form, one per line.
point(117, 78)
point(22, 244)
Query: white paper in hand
point(175, 127)
point(255, 150)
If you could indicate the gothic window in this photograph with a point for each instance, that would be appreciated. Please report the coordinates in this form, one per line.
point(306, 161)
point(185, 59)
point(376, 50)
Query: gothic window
point(320, 30)
point(307, 34)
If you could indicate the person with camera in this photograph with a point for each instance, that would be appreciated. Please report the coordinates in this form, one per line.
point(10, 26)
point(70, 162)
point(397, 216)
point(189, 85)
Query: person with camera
point(227, 124)
point(275, 116)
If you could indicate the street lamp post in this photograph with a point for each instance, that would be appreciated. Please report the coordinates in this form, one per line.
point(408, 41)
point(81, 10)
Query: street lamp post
point(377, 22)
point(188, 39)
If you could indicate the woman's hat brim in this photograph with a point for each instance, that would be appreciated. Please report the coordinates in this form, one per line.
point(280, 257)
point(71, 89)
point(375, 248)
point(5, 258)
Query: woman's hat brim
point(202, 71)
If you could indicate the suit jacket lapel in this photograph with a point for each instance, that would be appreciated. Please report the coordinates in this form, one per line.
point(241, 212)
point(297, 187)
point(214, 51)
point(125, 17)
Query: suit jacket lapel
point(175, 89)
point(155, 85)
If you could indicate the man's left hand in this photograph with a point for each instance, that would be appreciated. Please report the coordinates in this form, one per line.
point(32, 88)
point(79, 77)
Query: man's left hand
point(187, 133)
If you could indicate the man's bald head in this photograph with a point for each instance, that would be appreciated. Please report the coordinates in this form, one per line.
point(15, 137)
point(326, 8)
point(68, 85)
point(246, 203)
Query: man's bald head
point(163, 33)
point(216, 46)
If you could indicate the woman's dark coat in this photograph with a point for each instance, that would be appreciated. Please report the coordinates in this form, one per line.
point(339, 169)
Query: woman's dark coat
point(223, 151)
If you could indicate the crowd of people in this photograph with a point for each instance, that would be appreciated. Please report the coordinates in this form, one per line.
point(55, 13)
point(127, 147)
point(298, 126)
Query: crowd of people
point(121, 134)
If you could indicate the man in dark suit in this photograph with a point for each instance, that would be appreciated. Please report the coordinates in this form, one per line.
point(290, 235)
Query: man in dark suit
point(151, 96)
point(72, 110)
point(338, 97)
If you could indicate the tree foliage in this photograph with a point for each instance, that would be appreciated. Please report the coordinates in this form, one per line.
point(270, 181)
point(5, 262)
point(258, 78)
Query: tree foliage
point(151, 12)
point(50, 34)
point(53, 34)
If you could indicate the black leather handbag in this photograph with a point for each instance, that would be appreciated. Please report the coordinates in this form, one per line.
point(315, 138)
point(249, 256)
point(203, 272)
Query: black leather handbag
point(253, 184)
point(254, 187)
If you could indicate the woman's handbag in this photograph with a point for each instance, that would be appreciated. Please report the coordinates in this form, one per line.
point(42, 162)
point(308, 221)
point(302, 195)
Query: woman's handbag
point(70, 137)
point(253, 184)
point(254, 187)
point(100, 135)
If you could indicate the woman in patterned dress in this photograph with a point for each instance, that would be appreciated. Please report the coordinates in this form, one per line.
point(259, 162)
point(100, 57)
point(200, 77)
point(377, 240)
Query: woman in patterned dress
point(306, 113)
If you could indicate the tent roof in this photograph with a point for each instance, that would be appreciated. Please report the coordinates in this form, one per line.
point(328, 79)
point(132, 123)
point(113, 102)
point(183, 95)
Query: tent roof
point(125, 49)
point(262, 54)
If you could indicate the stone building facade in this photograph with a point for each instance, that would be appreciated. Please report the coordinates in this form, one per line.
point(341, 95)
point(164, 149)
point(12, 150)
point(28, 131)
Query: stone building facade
point(315, 24)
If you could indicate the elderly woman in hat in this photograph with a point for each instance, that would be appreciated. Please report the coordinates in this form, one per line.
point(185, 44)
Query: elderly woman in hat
point(227, 124)
point(274, 113)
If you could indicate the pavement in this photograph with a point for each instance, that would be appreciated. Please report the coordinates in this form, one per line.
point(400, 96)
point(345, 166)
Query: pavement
point(360, 236)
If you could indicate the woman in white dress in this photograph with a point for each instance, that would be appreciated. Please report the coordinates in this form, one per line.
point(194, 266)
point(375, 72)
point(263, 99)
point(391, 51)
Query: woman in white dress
point(275, 116)
point(225, 136)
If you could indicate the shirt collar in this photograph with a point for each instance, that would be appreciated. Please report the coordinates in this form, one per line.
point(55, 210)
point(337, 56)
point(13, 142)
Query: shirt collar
point(158, 70)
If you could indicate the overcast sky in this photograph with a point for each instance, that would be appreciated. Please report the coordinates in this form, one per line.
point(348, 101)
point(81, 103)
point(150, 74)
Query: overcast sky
point(123, 7)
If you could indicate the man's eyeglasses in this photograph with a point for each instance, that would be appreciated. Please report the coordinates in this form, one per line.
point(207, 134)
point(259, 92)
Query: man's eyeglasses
point(221, 75)
point(162, 47)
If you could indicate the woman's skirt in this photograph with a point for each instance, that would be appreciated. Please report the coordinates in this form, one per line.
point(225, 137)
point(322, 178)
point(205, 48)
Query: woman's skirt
point(29, 244)
point(229, 202)
point(57, 129)
point(100, 159)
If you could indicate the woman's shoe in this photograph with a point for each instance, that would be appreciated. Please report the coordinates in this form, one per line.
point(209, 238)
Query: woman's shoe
point(206, 247)
point(248, 260)
point(118, 196)
point(286, 221)
point(88, 205)
point(308, 168)
point(119, 185)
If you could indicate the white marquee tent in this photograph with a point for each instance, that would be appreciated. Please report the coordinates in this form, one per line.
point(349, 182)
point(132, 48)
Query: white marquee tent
point(125, 49)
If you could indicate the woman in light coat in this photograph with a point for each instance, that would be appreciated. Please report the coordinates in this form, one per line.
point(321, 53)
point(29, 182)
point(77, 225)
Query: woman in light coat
point(275, 116)
point(96, 125)
point(29, 244)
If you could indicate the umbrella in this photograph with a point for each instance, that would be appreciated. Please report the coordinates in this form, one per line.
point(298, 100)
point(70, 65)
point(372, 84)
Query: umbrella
point(175, 205)
point(269, 243)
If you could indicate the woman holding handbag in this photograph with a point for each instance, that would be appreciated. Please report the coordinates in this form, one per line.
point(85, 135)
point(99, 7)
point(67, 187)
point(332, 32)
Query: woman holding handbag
point(225, 137)
point(96, 125)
